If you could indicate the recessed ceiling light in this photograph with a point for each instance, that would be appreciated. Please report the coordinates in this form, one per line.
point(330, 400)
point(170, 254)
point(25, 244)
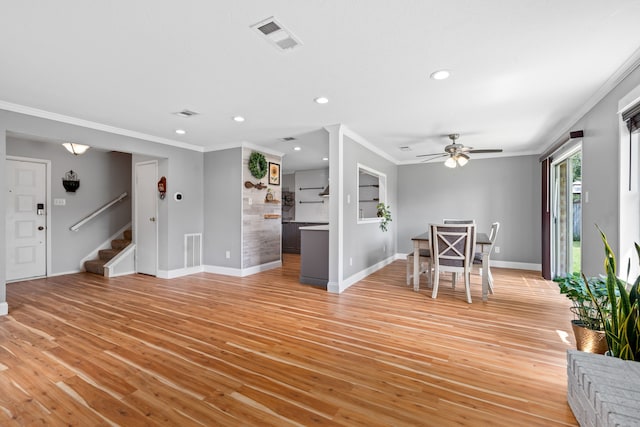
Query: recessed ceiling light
point(297, 148)
point(321, 100)
point(238, 119)
point(181, 131)
point(440, 75)
point(325, 159)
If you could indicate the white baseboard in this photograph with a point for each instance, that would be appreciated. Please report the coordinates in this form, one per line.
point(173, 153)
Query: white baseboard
point(337, 288)
point(226, 271)
point(64, 273)
point(4, 308)
point(242, 272)
point(179, 272)
point(500, 264)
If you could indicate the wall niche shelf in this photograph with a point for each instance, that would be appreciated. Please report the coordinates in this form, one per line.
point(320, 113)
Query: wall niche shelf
point(311, 188)
point(313, 201)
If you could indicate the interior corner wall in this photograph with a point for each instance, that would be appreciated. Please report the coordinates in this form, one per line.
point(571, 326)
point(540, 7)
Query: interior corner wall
point(601, 175)
point(504, 189)
point(3, 239)
point(223, 208)
point(365, 244)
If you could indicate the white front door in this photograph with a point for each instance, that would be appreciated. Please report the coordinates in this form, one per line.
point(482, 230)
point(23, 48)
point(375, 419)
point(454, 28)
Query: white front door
point(26, 219)
point(146, 226)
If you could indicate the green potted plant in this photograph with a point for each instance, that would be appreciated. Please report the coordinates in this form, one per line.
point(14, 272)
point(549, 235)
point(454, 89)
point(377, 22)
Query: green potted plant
point(384, 213)
point(588, 325)
point(621, 312)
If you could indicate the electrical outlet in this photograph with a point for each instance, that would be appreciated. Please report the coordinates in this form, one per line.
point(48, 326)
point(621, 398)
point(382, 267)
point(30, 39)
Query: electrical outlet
point(384, 248)
point(227, 254)
point(348, 198)
point(497, 249)
point(250, 201)
point(59, 202)
point(350, 261)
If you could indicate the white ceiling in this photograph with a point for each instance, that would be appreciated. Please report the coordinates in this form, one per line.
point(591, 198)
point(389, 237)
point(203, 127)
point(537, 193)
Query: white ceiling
point(520, 70)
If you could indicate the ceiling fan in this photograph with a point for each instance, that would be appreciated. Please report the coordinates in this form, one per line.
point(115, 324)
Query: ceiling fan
point(458, 154)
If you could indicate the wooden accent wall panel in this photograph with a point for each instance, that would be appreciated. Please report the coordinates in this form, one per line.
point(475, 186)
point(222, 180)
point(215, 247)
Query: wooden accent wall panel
point(261, 237)
point(265, 350)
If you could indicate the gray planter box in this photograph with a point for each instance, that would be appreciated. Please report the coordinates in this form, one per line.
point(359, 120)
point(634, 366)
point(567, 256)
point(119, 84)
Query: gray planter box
point(603, 391)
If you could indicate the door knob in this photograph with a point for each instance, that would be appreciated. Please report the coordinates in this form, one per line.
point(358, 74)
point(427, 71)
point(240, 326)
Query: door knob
point(152, 219)
point(41, 228)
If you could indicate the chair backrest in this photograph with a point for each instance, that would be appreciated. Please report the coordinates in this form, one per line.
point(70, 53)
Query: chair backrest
point(494, 233)
point(452, 245)
point(458, 221)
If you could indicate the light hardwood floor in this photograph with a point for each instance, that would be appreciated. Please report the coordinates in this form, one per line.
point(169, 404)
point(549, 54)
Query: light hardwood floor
point(265, 350)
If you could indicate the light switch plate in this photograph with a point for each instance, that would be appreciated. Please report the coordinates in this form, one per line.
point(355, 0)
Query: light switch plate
point(59, 202)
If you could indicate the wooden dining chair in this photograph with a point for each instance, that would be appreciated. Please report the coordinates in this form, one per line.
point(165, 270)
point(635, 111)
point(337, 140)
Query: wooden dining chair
point(452, 248)
point(425, 265)
point(477, 258)
point(458, 221)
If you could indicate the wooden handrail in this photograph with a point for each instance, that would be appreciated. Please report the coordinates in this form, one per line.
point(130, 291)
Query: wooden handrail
point(97, 212)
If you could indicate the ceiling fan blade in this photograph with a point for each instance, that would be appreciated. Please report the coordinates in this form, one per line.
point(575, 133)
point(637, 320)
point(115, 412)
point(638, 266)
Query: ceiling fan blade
point(439, 156)
point(432, 154)
point(487, 150)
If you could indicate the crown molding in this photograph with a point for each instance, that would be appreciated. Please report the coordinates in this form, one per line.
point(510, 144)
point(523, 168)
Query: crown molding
point(35, 112)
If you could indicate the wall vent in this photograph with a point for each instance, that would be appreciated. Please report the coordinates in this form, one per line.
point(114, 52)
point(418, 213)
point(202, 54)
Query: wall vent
point(186, 113)
point(192, 250)
point(277, 35)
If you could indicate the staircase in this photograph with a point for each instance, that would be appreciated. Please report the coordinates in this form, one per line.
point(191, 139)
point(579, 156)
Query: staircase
point(96, 266)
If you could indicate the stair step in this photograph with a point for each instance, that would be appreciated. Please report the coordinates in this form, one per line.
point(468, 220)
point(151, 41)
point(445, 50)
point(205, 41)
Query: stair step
point(120, 243)
point(128, 235)
point(95, 266)
point(107, 254)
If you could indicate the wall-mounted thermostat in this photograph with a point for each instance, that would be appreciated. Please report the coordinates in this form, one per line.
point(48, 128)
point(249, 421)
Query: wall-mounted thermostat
point(177, 197)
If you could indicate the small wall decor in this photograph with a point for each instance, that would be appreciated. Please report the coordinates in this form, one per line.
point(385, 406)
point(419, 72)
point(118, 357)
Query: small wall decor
point(70, 182)
point(274, 173)
point(257, 165)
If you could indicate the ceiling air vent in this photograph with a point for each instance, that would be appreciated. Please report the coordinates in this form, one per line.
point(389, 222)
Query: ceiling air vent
point(277, 35)
point(288, 138)
point(186, 113)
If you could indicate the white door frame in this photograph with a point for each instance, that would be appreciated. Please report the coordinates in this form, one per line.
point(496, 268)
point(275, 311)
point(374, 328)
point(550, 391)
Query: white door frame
point(48, 205)
point(554, 204)
point(136, 218)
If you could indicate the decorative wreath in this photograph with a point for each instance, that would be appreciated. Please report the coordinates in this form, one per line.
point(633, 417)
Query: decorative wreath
point(257, 165)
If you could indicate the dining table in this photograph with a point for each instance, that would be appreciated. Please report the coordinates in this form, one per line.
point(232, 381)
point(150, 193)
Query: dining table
point(421, 241)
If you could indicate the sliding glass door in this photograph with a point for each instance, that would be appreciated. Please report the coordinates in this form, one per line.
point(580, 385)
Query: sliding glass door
point(566, 218)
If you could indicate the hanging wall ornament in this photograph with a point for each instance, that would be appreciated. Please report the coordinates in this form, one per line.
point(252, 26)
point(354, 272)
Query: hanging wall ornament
point(258, 165)
point(70, 182)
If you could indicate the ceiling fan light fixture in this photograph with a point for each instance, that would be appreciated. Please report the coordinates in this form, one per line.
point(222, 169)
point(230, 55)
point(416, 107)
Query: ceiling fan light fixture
point(75, 149)
point(462, 159)
point(450, 163)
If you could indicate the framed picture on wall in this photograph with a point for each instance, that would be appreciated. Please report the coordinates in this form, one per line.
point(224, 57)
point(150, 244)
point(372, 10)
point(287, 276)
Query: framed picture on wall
point(274, 173)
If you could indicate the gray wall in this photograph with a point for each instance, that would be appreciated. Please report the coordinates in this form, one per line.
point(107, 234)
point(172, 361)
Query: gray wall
point(365, 243)
point(103, 176)
point(223, 208)
point(505, 189)
point(183, 169)
point(600, 172)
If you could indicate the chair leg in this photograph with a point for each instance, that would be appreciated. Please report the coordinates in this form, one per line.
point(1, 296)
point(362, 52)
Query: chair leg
point(436, 280)
point(490, 282)
point(454, 277)
point(467, 285)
